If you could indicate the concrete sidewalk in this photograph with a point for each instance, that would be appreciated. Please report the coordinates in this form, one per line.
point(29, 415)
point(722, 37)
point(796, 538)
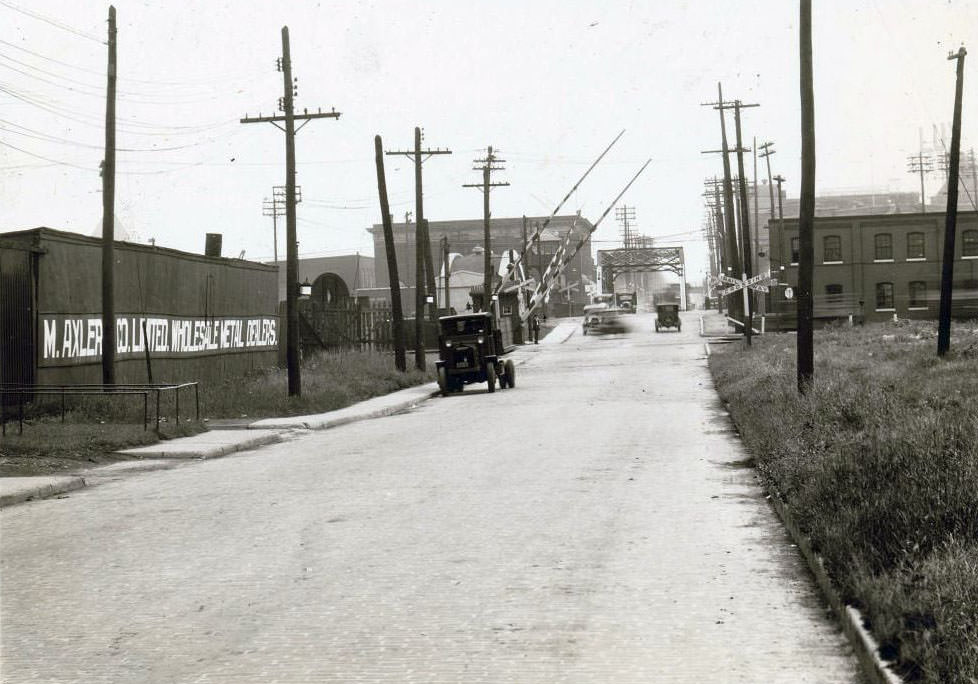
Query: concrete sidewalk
point(222, 441)
point(14, 490)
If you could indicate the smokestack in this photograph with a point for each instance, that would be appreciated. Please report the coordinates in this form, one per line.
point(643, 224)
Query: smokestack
point(212, 245)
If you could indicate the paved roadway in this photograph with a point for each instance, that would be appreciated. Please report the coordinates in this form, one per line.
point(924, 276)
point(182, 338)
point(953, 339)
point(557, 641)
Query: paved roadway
point(592, 525)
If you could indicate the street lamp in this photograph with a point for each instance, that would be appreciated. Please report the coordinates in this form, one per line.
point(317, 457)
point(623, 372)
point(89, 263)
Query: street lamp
point(305, 289)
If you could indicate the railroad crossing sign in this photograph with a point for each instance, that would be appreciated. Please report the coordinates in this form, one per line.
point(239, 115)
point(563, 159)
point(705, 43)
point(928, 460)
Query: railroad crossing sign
point(570, 287)
point(758, 283)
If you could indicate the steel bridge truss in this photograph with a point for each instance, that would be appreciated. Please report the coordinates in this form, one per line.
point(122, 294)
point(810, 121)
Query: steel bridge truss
point(615, 262)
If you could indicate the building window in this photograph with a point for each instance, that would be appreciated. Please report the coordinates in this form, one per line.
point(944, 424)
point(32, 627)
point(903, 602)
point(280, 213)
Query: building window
point(918, 294)
point(884, 247)
point(915, 245)
point(832, 248)
point(795, 249)
point(833, 294)
point(884, 296)
point(969, 243)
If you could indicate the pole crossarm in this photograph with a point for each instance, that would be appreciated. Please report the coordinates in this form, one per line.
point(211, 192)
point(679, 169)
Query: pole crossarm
point(482, 186)
point(298, 117)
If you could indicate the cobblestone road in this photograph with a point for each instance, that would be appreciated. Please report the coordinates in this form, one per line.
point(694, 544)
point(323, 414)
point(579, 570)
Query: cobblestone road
point(593, 525)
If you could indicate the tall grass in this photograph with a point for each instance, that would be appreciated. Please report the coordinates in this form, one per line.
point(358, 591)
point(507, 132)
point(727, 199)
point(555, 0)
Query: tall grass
point(329, 381)
point(879, 463)
point(97, 425)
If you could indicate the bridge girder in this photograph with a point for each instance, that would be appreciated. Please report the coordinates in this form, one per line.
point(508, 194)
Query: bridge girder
point(615, 262)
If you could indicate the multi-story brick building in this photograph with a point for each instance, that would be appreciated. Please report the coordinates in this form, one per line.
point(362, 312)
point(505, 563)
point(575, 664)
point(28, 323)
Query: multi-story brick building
point(465, 235)
point(874, 266)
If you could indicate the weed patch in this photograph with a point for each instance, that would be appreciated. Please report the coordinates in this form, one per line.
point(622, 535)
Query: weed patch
point(879, 464)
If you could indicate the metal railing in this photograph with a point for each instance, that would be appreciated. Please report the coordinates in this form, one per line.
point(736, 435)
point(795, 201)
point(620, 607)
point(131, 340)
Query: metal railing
point(26, 394)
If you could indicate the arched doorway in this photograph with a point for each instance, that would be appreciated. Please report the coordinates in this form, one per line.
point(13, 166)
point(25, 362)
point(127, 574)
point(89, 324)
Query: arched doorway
point(329, 289)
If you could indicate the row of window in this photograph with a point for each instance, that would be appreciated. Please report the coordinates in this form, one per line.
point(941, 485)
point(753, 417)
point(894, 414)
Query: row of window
point(916, 291)
point(883, 247)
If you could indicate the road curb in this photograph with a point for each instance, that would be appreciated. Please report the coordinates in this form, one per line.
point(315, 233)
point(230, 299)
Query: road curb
point(348, 414)
point(863, 643)
point(171, 450)
point(66, 484)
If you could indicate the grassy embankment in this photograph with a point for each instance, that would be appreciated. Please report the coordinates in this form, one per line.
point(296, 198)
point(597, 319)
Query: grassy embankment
point(97, 426)
point(879, 465)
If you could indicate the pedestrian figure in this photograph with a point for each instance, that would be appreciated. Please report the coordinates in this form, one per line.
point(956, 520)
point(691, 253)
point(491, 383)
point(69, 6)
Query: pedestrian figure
point(535, 327)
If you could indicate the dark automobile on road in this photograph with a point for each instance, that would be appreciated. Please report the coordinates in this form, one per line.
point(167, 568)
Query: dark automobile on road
point(667, 316)
point(606, 321)
point(469, 350)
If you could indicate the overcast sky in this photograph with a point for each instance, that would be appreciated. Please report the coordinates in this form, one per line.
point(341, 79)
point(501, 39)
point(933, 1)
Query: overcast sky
point(547, 83)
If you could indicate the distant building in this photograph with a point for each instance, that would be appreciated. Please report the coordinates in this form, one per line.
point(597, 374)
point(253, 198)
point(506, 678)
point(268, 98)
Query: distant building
point(333, 277)
point(833, 204)
point(875, 266)
point(465, 238)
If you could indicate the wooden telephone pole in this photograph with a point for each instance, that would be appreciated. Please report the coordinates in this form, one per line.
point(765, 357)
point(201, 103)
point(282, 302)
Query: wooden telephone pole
point(424, 277)
point(806, 210)
point(951, 215)
point(766, 155)
point(735, 308)
point(447, 267)
point(108, 216)
point(397, 315)
point(748, 265)
point(291, 246)
point(489, 164)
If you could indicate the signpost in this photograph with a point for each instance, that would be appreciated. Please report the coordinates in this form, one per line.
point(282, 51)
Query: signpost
point(759, 283)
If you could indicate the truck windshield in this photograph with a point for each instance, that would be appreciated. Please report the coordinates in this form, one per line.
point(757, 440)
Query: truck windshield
point(466, 326)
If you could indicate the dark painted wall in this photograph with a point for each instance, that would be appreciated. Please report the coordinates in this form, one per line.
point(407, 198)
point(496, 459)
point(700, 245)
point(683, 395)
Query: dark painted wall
point(207, 318)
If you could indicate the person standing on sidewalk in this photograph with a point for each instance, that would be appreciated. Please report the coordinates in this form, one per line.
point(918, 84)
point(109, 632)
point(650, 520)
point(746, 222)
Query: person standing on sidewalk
point(535, 327)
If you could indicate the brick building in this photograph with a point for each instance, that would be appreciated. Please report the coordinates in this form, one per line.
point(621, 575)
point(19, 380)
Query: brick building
point(875, 266)
point(465, 235)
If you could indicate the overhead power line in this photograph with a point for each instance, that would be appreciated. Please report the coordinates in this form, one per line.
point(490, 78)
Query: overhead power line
point(131, 126)
point(52, 22)
point(155, 83)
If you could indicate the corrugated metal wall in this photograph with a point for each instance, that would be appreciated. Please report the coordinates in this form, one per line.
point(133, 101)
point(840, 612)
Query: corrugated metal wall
point(16, 315)
point(225, 311)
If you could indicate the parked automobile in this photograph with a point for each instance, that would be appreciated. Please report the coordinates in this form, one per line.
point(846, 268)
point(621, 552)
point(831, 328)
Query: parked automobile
point(469, 350)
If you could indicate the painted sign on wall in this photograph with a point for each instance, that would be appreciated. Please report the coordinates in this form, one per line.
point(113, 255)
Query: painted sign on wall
point(78, 339)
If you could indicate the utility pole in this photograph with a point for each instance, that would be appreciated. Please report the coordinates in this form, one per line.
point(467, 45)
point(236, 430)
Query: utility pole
point(108, 216)
point(489, 164)
point(806, 210)
point(289, 117)
point(745, 225)
point(275, 208)
point(424, 280)
point(951, 216)
point(734, 306)
point(526, 246)
point(536, 231)
point(623, 215)
point(766, 155)
point(779, 179)
point(974, 179)
point(919, 164)
point(447, 266)
point(397, 315)
point(757, 220)
point(271, 207)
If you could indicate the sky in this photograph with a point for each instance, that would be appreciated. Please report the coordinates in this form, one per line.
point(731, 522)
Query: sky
point(547, 83)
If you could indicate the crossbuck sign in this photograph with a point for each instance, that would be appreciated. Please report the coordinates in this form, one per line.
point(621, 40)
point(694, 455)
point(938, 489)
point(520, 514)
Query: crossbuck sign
point(758, 283)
